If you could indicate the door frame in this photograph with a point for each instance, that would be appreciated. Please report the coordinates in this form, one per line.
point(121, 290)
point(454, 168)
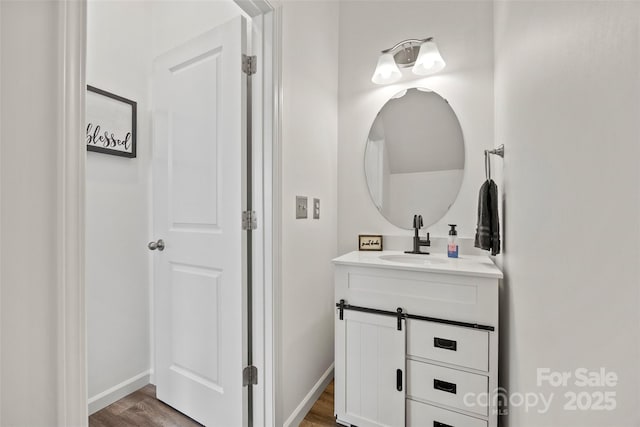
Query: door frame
point(266, 105)
point(71, 318)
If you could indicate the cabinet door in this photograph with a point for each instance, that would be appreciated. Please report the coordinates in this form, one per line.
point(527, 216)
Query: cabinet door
point(370, 370)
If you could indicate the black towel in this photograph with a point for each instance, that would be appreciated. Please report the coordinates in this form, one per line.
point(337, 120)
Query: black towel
point(488, 231)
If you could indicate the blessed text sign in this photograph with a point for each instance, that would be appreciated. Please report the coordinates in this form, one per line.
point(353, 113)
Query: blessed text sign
point(111, 123)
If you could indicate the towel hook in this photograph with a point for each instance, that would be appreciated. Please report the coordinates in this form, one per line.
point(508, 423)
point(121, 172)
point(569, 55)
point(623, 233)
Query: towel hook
point(499, 151)
point(487, 165)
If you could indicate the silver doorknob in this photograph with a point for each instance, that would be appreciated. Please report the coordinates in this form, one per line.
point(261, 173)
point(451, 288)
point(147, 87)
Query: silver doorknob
point(159, 245)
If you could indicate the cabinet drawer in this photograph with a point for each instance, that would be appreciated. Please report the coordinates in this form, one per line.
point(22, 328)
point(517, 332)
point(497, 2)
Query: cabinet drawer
point(422, 415)
point(447, 386)
point(450, 344)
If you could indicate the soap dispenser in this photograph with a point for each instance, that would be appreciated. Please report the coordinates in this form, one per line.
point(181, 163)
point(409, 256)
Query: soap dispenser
point(452, 246)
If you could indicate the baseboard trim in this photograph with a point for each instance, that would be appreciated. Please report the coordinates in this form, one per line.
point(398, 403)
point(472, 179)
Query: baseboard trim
point(117, 392)
point(300, 412)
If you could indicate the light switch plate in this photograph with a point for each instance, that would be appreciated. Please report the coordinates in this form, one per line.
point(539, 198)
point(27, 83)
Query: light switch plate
point(301, 207)
point(316, 208)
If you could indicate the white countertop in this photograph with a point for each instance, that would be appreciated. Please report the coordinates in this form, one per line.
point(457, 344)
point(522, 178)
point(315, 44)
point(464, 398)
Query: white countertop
point(466, 265)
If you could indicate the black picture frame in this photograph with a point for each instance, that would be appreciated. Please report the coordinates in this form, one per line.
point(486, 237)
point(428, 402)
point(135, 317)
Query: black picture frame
point(114, 134)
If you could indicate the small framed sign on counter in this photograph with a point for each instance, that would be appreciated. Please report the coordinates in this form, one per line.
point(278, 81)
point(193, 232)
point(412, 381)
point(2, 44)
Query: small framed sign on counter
point(369, 242)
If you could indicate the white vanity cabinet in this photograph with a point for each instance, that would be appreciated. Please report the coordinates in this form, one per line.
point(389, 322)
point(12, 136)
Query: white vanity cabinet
point(416, 340)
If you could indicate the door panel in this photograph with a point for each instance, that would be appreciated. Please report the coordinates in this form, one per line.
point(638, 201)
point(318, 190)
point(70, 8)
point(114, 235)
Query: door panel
point(199, 178)
point(194, 325)
point(370, 354)
point(194, 142)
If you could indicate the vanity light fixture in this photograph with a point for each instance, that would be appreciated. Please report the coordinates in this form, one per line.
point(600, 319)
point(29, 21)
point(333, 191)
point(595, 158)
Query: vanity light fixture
point(422, 54)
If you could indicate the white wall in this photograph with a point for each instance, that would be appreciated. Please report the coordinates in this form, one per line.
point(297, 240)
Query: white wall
point(309, 143)
point(29, 140)
point(464, 33)
point(567, 108)
point(117, 213)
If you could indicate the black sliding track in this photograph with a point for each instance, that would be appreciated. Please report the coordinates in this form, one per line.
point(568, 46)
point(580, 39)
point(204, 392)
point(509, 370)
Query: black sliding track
point(400, 314)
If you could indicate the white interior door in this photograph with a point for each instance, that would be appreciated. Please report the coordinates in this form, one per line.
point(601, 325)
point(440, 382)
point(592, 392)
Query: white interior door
point(199, 172)
point(370, 370)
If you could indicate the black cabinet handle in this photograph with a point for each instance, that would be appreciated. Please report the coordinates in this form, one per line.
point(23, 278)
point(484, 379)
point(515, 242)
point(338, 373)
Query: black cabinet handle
point(439, 424)
point(399, 379)
point(444, 386)
point(445, 344)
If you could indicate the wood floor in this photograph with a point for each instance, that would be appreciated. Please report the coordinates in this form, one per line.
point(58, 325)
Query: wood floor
point(142, 409)
point(321, 414)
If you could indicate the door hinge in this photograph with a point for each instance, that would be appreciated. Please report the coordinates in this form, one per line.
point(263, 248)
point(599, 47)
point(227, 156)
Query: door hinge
point(249, 64)
point(249, 376)
point(249, 220)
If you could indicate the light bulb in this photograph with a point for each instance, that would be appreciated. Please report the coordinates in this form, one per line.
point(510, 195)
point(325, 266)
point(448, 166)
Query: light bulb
point(387, 70)
point(429, 60)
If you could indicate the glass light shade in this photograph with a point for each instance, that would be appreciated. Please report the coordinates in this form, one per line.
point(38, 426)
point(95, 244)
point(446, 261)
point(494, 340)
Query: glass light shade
point(387, 70)
point(429, 60)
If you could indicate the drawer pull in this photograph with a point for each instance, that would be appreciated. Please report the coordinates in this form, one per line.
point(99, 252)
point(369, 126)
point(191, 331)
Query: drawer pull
point(439, 424)
point(444, 386)
point(399, 379)
point(445, 344)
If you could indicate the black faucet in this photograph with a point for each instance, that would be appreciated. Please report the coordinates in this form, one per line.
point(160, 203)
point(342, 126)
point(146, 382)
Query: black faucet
point(417, 242)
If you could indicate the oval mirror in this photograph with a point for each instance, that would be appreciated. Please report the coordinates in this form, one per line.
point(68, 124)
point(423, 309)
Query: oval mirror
point(414, 158)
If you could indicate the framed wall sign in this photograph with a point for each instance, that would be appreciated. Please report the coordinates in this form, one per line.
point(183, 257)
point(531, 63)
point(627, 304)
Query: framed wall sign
point(367, 242)
point(111, 123)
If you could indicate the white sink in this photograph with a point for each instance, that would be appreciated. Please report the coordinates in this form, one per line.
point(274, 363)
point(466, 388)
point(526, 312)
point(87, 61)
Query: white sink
point(412, 259)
